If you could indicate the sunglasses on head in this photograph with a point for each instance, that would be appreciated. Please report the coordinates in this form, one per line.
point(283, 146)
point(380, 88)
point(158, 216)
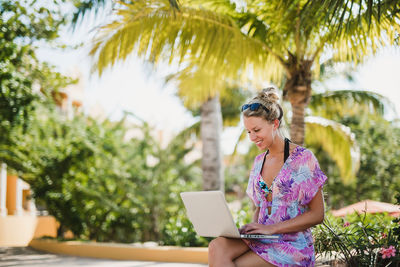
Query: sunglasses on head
point(254, 107)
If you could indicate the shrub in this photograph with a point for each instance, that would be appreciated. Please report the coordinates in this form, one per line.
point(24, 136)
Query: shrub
point(179, 231)
point(98, 183)
point(360, 239)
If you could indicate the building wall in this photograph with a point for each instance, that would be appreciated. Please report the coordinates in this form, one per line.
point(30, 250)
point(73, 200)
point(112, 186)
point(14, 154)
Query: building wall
point(18, 228)
point(17, 231)
point(11, 194)
point(46, 226)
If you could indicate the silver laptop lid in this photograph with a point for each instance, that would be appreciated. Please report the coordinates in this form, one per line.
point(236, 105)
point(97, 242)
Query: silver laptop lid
point(209, 214)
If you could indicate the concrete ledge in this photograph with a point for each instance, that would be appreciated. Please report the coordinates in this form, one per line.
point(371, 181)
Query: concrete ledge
point(119, 251)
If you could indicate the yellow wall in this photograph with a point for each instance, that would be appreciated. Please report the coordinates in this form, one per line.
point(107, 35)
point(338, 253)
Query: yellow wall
point(17, 231)
point(122, 251)
point(11, 194)
point(20, 230)
point(46, 226)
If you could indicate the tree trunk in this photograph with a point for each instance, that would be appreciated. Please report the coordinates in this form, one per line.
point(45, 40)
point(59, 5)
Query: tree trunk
point(298, 91)
point(210, 131)
point(297, 126)
point(61, 231)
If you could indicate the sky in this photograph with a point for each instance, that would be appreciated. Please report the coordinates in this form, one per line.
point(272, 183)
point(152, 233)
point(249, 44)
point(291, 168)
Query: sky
point(134, 86)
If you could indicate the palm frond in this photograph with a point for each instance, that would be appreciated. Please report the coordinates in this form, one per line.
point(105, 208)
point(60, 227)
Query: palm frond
point(231, 101)
point(211, 40)
point(341, 13)
point(196, 87)
point(85, 7)
point(362, 40)
point(241, 138)
point(247, 42)
point(363, 35)
point(272, 22)
point(339, 103)
point(174, 4)
point(338, 141)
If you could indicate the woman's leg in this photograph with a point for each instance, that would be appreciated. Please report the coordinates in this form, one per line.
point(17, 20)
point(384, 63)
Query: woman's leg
point(251, 259)
point(223, 251)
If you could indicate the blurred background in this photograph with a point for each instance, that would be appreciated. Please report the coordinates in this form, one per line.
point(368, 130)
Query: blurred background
point(110, 109)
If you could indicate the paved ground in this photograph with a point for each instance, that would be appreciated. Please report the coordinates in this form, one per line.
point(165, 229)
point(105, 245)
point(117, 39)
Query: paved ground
point(24, 257)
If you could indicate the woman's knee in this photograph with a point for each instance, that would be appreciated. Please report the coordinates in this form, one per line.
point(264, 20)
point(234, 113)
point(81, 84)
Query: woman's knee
point(216, 246)
point(222, 247)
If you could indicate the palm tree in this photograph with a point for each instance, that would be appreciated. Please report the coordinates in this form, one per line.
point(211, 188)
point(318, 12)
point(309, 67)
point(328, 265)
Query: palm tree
point(261, 40)
point(266, 38)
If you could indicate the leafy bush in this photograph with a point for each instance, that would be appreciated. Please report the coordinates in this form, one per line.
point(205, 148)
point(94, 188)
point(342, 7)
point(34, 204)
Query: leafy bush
point(22, 24)
point(179, 231)
point(360, 239)
point(98, 182)
point(244, 214)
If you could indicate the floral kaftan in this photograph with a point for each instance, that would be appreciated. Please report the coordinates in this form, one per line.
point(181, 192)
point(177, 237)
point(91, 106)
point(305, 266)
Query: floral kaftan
point(293, 188)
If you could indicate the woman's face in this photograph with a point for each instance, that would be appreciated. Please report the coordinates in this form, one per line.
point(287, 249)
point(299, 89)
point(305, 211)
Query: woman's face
point(261, 132)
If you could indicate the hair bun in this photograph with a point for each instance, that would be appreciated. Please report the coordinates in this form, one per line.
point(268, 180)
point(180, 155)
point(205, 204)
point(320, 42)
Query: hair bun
point(269, 94)
point(269, 98)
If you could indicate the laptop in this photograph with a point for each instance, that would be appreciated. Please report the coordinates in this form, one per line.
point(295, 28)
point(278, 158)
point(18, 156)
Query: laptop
point(210, 215)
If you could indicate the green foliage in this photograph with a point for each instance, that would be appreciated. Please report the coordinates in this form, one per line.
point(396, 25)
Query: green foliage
point(237, 174)
point(100, 185)
point(359, 239)
point(255, 38)
point(83, 7)
point(380, 152)
point(107, 187)
point(221, 41)
point(155, 31)
point(336, 104)
point(244, 214)
point(96, 181)
point(358, 115)
point(343, 12)
point(216, 42)
point(337, 140)
point(21, 74)
point(377, 176)
point(331, 134)
point(179, 231)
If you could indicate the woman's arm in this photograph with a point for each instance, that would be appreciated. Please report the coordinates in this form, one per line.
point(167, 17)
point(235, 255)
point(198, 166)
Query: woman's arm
point(313, 216)
point(255, 215)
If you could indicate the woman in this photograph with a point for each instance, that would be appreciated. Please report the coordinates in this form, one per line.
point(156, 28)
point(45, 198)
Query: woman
point(285, 185)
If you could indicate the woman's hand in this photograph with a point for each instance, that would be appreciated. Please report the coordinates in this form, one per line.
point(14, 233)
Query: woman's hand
point(256, 228)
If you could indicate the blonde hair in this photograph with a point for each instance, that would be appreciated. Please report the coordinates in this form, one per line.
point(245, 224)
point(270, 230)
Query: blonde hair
point(269, 98)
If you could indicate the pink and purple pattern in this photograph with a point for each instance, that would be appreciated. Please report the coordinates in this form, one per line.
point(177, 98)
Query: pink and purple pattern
point(292, 189)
